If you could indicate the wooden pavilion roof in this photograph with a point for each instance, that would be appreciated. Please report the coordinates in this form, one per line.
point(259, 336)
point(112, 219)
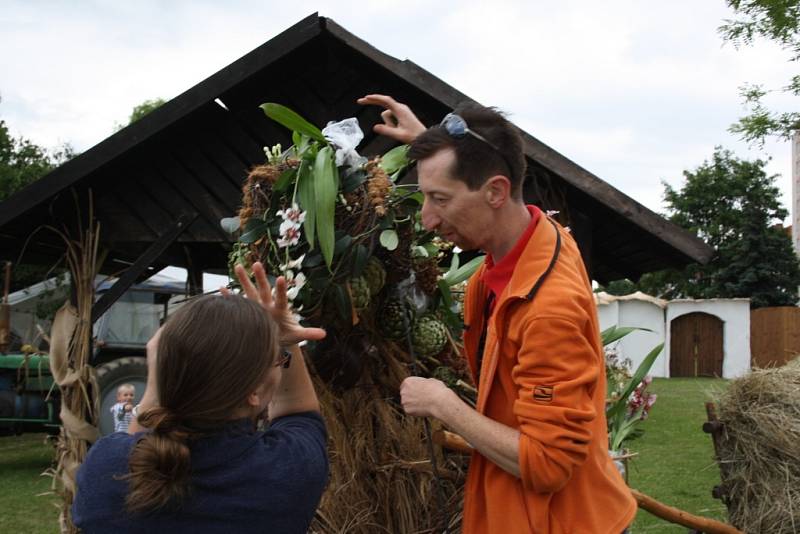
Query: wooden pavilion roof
point(186, 161)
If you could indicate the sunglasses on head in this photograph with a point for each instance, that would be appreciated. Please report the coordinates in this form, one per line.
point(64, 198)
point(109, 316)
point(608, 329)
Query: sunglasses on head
point(457, 127)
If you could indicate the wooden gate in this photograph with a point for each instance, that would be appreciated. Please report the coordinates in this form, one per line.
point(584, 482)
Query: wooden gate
point(774, 335)
point(696, 346)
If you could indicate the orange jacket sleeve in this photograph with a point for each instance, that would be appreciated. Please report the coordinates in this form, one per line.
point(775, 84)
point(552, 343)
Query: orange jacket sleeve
point(555, 374)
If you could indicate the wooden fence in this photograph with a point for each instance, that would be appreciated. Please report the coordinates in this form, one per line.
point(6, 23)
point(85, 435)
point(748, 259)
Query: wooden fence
point(774, 335)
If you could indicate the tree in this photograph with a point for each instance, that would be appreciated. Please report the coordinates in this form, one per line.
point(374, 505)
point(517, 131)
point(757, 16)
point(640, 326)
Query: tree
point(779, 21)
point(733, 206)
point(141, 110)
point(22, 162)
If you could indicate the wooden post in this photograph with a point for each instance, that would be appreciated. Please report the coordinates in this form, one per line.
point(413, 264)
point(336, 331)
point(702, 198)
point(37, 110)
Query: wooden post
point(138, 267)
point(716, 429)
point(194, 274)
point(5, 311)
point(796, 191)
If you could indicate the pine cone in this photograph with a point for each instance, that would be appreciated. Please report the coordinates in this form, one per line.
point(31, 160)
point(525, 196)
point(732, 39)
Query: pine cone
point(427, 274)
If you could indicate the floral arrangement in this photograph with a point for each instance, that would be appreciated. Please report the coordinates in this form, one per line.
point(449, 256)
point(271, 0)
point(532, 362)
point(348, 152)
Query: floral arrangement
point(346, 234)
point(628, 401)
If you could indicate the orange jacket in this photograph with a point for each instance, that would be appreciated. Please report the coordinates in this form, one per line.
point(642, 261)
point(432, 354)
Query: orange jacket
point(543, 372)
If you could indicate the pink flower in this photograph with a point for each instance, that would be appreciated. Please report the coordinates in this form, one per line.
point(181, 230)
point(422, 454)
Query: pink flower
point(293, 214)
point(290, 234)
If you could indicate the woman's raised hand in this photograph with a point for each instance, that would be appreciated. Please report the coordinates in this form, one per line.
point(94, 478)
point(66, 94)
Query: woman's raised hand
point(291, 331)
point(399, 122)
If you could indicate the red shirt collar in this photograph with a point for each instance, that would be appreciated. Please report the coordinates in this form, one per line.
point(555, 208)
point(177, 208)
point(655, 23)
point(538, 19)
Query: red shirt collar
point(498, 275)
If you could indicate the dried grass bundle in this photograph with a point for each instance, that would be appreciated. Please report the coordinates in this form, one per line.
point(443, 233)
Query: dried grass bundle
point(382, 478)
point(759, 450)
point(69, 362)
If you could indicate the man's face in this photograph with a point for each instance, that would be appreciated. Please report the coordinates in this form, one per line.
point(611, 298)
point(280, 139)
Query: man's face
point(450, 208)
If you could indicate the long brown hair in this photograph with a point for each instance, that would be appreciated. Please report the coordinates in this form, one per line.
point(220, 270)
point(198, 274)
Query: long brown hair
point(212, 353)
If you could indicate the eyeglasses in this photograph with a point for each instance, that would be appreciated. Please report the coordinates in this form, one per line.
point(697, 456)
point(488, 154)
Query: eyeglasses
point(456, 127)
point(284, 360)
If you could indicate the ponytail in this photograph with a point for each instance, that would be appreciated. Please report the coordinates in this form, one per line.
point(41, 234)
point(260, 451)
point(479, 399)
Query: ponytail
point(159, 465)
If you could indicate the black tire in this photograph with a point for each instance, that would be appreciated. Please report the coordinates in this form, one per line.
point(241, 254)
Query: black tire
point(111, 375)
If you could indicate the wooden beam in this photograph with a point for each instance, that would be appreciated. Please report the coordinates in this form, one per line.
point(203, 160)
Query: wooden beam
point(134, 271)
point(456, 443)
point(677, 516)
point(550, 159)
point(171, 112)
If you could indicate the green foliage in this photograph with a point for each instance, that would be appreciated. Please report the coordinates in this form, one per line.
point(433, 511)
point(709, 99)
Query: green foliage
point(619, 287)
point(292, 121)
point(22, 162)
point(778, 21)
point(141, 110)
point(733, 206)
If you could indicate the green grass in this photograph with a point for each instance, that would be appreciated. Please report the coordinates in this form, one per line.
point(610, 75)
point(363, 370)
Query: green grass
point(24, 509)
point(676, 463)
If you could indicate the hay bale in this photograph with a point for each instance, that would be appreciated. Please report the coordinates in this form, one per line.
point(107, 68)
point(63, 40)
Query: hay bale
point(759, 451)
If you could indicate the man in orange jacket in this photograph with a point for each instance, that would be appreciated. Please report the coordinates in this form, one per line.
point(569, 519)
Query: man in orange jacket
point(532, 339)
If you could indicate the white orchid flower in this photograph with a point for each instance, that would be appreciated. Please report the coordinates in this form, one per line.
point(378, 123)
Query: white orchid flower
point(294, 284)
point(290, 234)
point(293, 264)
point(293, 214)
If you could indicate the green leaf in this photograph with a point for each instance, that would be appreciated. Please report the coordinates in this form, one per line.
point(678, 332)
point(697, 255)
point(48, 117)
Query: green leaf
point(307, 200)
point(296, 139)
point(230, 224)
point(255, 232)
point(615, 333)
point(292, 121)
point(389, 239)
point(325, 183)
point(360, 258)
point(419, 252)
point(353, 180)
point(447, 296)
point(395, 159)
point(342, 242)
point(431, 249)
point(283, 181)
point(341, 298)
point(454, 263)
point(618, 407)
point(416, 197)
point(464, 272)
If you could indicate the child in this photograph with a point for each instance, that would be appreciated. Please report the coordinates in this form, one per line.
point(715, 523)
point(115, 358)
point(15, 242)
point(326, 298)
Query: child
point(122, 409)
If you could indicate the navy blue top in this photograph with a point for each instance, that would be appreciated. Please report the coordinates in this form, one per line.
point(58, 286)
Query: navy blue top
point(242, 481)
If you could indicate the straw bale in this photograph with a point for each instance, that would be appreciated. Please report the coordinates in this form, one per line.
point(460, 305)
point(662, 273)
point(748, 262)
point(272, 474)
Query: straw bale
point(759, 450)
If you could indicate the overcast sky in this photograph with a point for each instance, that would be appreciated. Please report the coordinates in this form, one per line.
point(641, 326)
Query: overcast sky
point(634, 91)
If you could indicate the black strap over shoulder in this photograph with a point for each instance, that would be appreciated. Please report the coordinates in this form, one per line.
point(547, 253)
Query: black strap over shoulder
point(487, 309)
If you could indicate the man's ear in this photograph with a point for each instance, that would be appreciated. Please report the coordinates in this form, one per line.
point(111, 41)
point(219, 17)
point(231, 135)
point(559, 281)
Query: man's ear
point(498, 190)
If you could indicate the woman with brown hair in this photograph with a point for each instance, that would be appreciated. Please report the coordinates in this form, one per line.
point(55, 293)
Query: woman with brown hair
point(193, 460)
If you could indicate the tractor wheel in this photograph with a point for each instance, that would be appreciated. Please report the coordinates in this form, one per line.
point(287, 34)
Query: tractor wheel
point(111, 375)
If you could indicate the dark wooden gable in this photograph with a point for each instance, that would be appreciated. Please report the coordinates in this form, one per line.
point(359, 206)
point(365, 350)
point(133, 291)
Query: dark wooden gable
point(189, 157)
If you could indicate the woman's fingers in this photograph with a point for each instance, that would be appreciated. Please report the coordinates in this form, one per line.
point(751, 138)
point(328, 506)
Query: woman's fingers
point(312, 334)
point(388, 118)
point(264, 289)
point(281, 300)
point(247, 286)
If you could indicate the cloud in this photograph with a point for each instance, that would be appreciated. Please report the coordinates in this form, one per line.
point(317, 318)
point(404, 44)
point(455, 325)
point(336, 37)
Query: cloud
point(635, 92)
